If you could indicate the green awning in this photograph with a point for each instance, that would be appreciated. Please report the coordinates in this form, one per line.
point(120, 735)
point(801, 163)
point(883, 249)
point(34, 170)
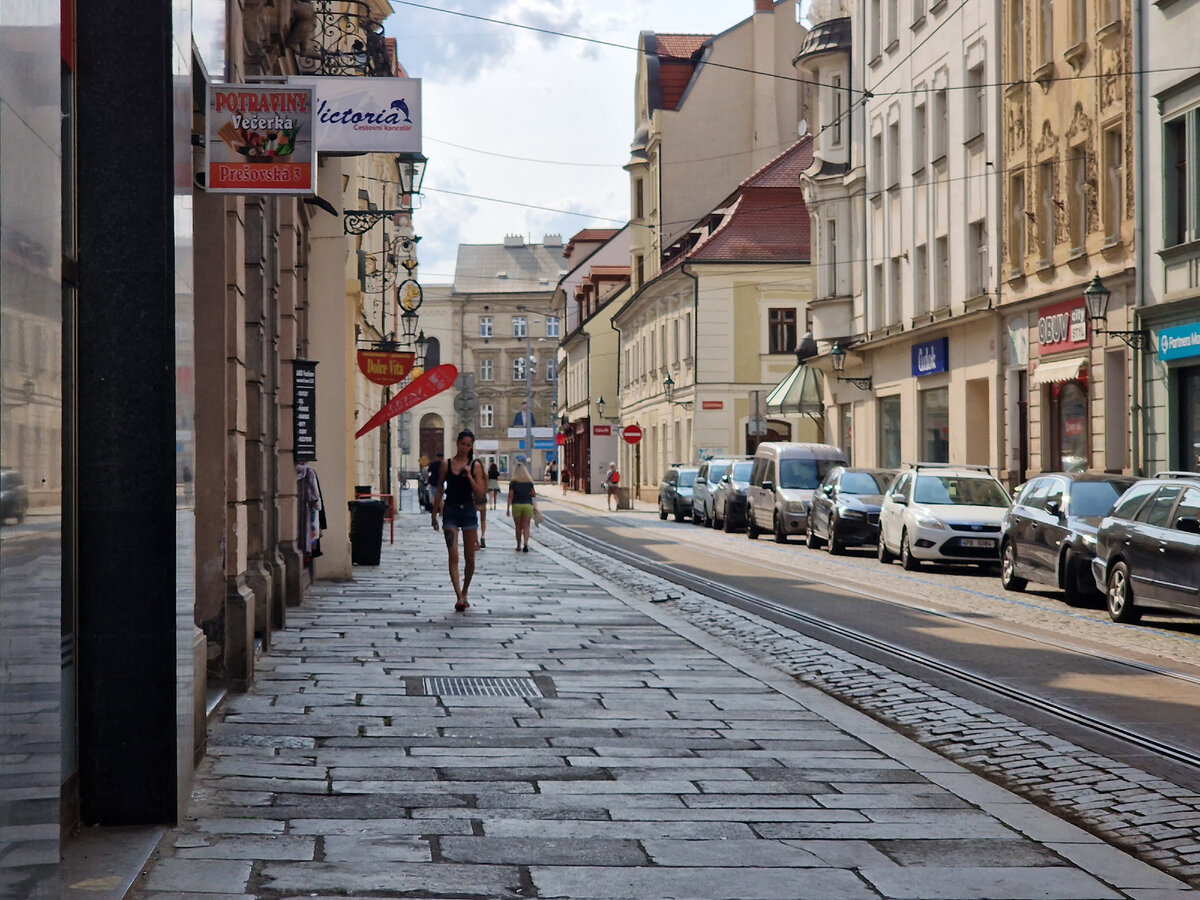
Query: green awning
point(802, 392)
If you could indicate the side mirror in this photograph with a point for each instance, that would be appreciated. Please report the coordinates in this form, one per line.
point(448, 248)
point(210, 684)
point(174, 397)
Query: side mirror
point(898, 499)
point(1054, 507)
point(827, 489)
point(768, 485)
point(1190, 524)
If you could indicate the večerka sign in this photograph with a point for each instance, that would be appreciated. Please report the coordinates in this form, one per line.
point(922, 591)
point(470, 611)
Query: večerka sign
point(1062, 326)
point(259, 140)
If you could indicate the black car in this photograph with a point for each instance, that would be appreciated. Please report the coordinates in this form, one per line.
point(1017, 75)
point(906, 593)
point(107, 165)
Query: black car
point(729, 501)
point(1049, 532)
point(675, 492)
point(845, 508)
point(1148, 548)
point(14, 498)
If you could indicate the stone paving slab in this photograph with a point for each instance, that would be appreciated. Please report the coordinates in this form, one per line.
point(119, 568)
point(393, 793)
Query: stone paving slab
point(661, 763)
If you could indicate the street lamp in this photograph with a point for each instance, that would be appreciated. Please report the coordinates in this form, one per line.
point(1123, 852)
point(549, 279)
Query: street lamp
point(838, 356)
point(410, 170)
point(1095, 298)
point(600, 411)
point(669, 390)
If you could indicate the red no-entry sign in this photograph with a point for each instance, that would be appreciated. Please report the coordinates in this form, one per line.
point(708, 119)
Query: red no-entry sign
point(631, 433)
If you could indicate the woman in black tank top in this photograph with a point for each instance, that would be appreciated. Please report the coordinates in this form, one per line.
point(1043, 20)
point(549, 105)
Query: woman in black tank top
point(461, 481)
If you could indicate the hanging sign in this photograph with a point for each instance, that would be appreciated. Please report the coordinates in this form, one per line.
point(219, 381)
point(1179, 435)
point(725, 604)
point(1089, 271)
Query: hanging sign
point(428, 385)
point(386, 367)
point(365, 115)
point(259, 139)
point(304, 410)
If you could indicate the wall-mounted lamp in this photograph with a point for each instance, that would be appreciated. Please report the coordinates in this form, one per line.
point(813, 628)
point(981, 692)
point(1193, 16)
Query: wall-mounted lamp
point(1095, 297)
point(669, 390)
point(600, 411)
point(838, 356)
point(410, 170)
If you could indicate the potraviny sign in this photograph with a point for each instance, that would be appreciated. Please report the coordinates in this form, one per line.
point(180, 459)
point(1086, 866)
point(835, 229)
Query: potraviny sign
point(260, 139)
point(365, 115)
point(428, 385)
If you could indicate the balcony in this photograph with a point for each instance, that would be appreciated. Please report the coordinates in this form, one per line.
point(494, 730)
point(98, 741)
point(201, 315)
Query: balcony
point(339, 37)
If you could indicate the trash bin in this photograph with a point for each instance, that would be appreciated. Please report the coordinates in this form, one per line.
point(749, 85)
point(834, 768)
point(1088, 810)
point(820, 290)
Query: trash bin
point(624, 498)
point(366, 531)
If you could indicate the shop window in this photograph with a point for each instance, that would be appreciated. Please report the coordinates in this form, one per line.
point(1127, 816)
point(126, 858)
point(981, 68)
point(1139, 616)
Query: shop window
point(1070, 424)
point(889, 432)
point(1188, 393)
point(935, 425)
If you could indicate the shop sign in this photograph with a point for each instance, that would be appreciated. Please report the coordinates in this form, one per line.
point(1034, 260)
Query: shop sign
point(428, 385)
point(365, 115)
point(1180, 342)
point(386, 367)
point(601, 431)
point(931, 357)
point(1062, 326)
point(304, 410)
point(260, 140)
point(712, 404)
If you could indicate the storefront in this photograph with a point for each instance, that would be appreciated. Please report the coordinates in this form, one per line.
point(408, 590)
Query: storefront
point(933, 400)
point(1179, 358)
point(1060, 382)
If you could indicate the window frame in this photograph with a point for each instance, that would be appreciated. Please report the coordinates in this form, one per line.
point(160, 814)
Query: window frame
point(487, 370)
point(779, 320)
point(520, 326)
point(487, 327)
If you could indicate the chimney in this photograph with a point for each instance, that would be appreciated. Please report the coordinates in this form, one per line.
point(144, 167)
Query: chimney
point(766, 126)
point(514, 240)
point(764, 6)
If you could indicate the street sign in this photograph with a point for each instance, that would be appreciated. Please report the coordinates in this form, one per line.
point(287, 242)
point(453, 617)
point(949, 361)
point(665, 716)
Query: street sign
point(632, 434)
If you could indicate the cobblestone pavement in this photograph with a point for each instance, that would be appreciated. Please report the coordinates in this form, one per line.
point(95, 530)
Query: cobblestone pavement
point(623, 753)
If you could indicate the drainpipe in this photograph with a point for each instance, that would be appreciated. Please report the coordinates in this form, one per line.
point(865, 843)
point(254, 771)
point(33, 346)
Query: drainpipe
point(695, 333)
point(1140, 257)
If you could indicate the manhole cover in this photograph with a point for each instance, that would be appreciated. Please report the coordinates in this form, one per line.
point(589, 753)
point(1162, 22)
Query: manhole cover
point(450, 686)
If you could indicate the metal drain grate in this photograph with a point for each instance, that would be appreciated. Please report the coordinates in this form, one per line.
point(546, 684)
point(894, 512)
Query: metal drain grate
point(450, 686)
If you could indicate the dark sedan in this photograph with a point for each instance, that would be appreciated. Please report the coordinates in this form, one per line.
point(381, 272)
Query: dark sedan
point(1148, 548)
point(675, 492)
point(1049, 533)
point(14, 499)
point(845, 508)
point(729, 501)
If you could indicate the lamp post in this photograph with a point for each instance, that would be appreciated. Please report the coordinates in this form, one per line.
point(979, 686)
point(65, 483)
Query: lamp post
point(1095, 298)
point(530, 359)
point(838, 356)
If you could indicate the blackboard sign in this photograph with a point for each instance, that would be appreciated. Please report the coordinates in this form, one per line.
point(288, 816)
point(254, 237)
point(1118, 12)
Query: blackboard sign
point(304, 412)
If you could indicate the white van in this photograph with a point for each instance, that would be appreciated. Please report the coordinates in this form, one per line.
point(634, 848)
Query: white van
point(782, 482)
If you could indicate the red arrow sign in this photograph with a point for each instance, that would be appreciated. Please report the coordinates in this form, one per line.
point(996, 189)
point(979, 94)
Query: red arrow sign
point(631, 433)
point(428, 385)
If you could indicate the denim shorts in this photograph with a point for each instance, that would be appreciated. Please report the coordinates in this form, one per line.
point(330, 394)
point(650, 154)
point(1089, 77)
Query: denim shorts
point(460, 518)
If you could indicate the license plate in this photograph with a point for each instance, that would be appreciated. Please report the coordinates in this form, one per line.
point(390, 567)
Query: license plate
point(979, 543)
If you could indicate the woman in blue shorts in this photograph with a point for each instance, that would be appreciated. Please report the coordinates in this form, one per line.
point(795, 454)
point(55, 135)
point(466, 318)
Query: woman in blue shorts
point(462, 480)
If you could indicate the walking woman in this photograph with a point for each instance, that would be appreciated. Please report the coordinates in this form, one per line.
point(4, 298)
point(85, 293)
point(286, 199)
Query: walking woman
point(460, 483)
point(520, 504)
point(494, 483)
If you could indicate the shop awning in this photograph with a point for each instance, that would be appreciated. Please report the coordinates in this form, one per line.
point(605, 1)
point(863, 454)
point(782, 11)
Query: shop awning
point(1058, 370)
point(802, 392)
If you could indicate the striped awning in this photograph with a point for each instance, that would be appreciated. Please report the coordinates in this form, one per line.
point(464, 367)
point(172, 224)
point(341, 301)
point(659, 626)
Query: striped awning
point(1057, 370)
point(802, 392)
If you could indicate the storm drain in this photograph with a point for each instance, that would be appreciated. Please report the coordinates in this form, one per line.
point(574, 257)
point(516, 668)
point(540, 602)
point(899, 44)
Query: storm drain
point(450, 686)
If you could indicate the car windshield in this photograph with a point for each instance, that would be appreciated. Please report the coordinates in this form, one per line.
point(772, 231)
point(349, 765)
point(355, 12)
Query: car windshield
point(686, 479)
point(804, 474)
point(1094, 498)
point(716, 473)
point(861, 483)
point(959, 490)
point(741, 471)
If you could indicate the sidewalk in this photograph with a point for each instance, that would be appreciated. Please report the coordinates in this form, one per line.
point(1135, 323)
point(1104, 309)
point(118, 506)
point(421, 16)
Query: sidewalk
point(563, 739)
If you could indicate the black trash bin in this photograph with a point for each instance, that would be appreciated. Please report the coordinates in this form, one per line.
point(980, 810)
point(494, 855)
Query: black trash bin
point(366, 531)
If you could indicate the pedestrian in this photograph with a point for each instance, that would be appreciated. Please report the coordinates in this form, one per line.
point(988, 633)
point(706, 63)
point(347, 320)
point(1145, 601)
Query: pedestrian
point(612, 481)
point(460, 484)
point(552, 472)
point(566, 478)
point(432, 474)
point(481, 504)
point(521, 494)
point(494, 483)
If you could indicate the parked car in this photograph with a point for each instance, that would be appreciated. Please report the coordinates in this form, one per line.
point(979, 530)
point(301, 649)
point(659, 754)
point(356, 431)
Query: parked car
point(729, 502)
point(14, 498)
point(1049, 533)
point(942, 513)
point(782, 482)
point(845, 509)
point(1148, 548)
point(675, 492)
point(704, 491)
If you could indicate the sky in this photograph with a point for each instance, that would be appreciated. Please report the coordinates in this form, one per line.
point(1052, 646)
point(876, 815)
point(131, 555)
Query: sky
point(504, 107)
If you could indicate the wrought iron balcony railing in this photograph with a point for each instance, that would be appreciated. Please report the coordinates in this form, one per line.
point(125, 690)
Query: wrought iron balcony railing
point(340, 38)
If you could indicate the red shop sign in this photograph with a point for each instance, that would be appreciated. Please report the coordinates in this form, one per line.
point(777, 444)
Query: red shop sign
point(601, 430)
point(712, 404)
point(1062, 327)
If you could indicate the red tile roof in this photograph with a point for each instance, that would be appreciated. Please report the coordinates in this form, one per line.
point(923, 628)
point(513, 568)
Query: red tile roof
point(679, 46)
point(763, 226)
point(784, 170)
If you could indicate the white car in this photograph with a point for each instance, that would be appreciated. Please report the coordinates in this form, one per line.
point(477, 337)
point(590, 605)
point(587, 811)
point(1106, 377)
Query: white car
point(942, 513)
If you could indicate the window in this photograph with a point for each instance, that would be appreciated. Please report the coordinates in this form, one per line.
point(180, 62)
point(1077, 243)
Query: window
point(893, 22)
point(1016, 42)
point(1114, 184)
point(1077, 197)
point(1046, 213)
point(893, 155)
point(1046, 31)
point(639, 271)
point(835, 84)
point(873, 25)
point(976, 100)
point(639, 198)
point(918, 11)
point(920, 137)
point(552, 326)
point(877, 172)
point(1158, 511)
point(487, 415)
point(879, 298)
point(675, 340)
point(896, 292)
point(941, 289)
point(782, 330)
point(1078, 21)
point(487, 370)
point(519, 368)
point(1016, 237)
point(921, 279)
point(889, 435)
point(941, 124)
point(1180, 197)
point(687, 336)
point(519, 326)
point(977, 265)
point(485, 326)
point(551, 369)
point(831, 258)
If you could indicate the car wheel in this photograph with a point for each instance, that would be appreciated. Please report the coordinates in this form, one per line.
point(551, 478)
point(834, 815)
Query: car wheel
point(882, 553)
point(1120, 595)
point(1074, 593)
point(810, 536)
point(908, 562)
point(698, 517)
point(751, 526)
point(662, 510)
point(777, 529)
point(836, 547)
point(1008, 568)
point(727, 522)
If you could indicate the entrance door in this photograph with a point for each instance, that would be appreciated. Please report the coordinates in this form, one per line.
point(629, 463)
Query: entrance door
point(1188, 392)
